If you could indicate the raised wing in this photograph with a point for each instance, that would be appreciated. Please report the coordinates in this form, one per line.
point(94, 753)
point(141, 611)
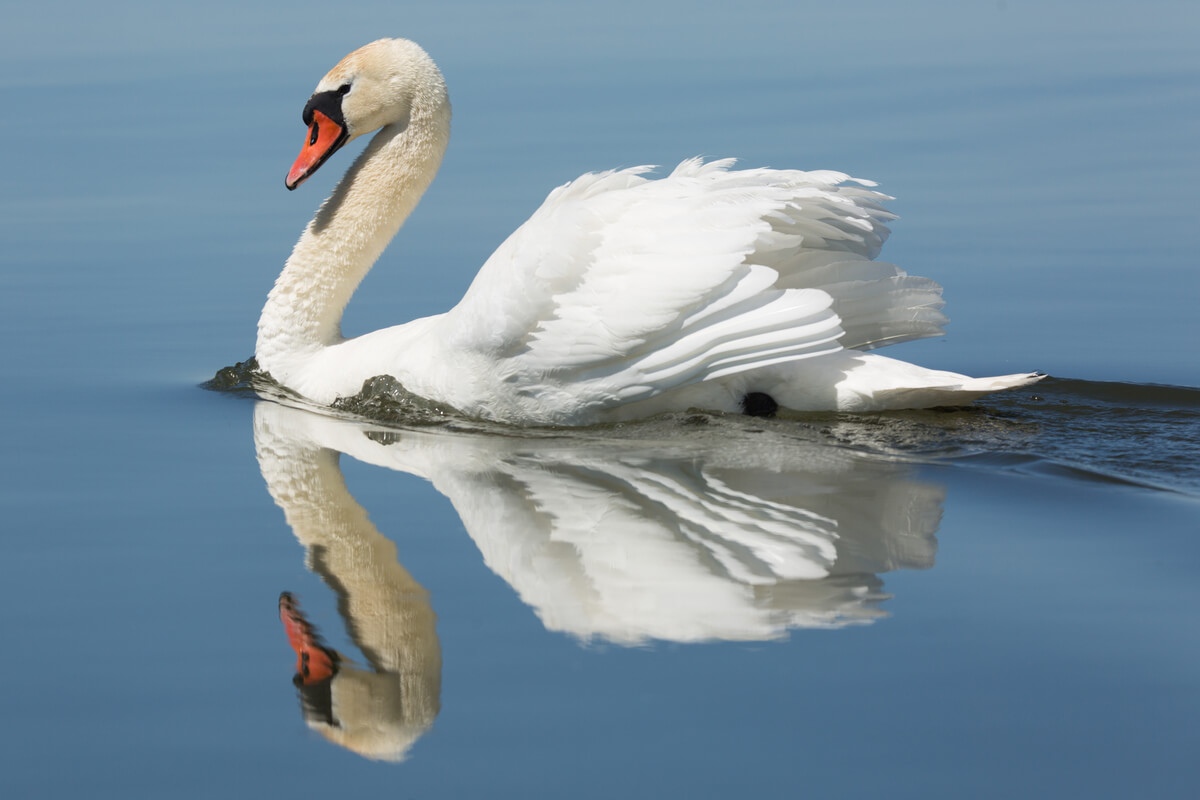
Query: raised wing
point(639, 286)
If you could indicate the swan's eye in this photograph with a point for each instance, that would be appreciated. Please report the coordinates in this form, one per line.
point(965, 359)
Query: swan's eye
point(344, 89)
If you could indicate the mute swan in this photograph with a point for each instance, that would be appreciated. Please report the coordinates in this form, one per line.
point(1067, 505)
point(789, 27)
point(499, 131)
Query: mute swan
point(728, 290)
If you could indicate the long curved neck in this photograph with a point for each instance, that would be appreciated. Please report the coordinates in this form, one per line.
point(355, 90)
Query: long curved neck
point(303, 312)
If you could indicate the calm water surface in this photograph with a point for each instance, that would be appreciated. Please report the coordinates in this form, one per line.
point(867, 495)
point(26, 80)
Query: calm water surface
point(991, 602)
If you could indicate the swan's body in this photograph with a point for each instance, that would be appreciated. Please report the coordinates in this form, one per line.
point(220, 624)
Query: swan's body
point(620, 297)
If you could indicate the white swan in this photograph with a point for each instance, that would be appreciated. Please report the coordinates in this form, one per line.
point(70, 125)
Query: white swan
point(746, 290)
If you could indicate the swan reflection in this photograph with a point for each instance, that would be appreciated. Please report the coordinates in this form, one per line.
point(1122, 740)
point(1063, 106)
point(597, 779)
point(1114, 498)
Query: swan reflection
point(697, 534)
point(377, 712)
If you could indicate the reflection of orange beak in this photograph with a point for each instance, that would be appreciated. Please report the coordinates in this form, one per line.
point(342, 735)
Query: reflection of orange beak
point(324, 138)
point(314, 661)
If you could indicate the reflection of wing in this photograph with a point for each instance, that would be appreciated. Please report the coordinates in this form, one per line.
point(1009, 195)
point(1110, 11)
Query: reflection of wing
point(725, 537)
point(669, 550)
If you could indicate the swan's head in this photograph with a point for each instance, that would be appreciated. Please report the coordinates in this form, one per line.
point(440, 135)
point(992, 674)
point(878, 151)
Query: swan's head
point(379, 84)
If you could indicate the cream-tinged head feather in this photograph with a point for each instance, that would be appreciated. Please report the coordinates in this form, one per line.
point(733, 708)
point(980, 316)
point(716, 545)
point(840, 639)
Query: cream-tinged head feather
point(387, 80)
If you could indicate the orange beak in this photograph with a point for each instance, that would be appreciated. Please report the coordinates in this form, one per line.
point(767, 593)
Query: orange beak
point(324, 138)
point(314, 661)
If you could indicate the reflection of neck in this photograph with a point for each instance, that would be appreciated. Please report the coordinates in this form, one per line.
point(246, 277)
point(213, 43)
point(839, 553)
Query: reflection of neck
point(387, 613)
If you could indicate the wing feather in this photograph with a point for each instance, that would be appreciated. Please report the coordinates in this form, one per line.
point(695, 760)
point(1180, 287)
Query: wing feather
point(637, 286)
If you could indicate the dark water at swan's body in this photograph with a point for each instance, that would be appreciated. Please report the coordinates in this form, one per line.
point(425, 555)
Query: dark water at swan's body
point(991, 602)
point(1145, 435)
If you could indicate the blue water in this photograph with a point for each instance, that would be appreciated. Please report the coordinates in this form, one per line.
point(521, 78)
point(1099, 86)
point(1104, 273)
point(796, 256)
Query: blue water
point(1008, 594)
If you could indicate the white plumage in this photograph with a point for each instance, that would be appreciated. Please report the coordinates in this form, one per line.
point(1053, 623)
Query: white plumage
point(621, 296)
